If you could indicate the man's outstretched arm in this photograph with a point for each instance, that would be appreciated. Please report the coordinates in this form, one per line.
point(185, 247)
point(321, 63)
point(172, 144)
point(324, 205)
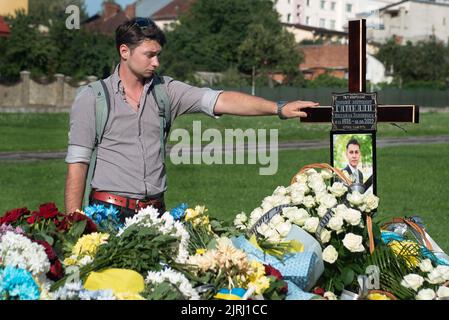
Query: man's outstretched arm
point(236, 103)
point(74, 186)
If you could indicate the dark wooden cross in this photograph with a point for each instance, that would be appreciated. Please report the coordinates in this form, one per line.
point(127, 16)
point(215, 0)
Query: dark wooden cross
point(357, 84)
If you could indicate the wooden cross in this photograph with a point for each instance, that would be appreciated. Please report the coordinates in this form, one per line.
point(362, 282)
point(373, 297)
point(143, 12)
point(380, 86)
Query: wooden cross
point(357, 84)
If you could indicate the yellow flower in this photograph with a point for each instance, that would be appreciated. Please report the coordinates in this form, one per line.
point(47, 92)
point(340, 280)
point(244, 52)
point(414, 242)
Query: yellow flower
point(377, 296)
point(260, 285)
point(86, 246)
point(407, 249)
point(201, 251)
point(190, 214)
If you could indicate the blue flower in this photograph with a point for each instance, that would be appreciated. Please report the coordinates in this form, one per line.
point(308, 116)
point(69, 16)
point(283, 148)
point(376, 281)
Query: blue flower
point(106, 218)
point(18, 283)
point(179, 212)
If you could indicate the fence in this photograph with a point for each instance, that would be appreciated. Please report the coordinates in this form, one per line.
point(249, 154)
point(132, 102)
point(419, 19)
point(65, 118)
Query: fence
point(30, 96)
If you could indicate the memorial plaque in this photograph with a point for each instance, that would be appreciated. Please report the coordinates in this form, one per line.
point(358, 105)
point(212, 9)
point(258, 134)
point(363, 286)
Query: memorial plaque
point(354, 111)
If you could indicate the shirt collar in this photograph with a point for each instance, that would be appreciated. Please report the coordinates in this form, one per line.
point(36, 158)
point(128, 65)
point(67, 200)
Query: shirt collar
point(117, 82)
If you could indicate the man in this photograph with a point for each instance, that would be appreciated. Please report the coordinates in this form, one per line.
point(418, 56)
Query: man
point(353, 155)
point(129, 171)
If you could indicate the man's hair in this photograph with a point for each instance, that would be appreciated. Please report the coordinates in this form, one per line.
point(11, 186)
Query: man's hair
point(352, 141)
point(133, 32)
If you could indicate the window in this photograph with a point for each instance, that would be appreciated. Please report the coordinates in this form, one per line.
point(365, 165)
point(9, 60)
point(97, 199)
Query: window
point(348, 7)
point(332, 24)
point(333, 6)
point(322, 4)
point(289, 17)
point(308, 3)
point(307, 20)
point(444, 21)
point(322, 23)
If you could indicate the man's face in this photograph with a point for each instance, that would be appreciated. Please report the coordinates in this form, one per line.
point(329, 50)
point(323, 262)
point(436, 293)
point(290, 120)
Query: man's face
point(353, 155)
point(143, 60)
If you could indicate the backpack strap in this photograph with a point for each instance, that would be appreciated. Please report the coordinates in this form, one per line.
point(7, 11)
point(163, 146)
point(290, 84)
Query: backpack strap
point(102, 107)
point(163, 102)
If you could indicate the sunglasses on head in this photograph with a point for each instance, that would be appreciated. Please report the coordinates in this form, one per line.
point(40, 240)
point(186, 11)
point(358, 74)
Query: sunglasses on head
point(143, 23)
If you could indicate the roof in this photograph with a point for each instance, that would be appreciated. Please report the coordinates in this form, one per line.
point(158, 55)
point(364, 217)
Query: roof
point(316, 30)
point(106, 25)
point(430, 2)
point(173, 10)
point(333, 56)
point(4, 28)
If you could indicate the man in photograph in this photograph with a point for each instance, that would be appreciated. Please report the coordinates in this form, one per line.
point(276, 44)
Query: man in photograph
point(353, 154)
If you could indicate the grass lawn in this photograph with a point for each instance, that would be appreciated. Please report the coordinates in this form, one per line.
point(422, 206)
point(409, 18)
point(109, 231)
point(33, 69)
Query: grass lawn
point(44, 132)
point(411, 181)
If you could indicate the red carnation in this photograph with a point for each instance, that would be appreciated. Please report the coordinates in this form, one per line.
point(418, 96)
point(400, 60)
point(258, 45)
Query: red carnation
point(271, 271)
point(48, 250)
point(55, 272)
point(47, 211)
point(76, 217)
point(13, 215)
point(318, 291)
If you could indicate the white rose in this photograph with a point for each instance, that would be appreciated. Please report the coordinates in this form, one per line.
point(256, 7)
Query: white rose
point(310, 172)
point(240, 220)
point(272, 235)
point(371, 202)
point(297, 197)
point(301, 178)
point(353, 242)
point(329, 201)
point(426, 265)
point(340, 210)
point(326, 174)
point(330, 255)
point(280, 190)
point(355, 198)
point(262, 229)
point(311, 224)
point(336, 223)
point(322, 210)
point(316, 183)
point(352, 216)
point(300, 217)
point(329, 295)
point(443, 292)
point(435, 277)
point(276, 220)
point(338, 189)
point(412, 281)
point(425, 294)
point(284, 228)
point(299, 187)
point(444, 271)
point(308, 202)
point(325, 236)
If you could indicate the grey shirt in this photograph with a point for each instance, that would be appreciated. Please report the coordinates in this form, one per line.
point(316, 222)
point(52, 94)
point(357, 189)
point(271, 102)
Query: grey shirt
point(129, 156)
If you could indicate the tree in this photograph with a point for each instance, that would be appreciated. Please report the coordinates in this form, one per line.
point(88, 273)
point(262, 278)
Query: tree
point(210, 36)
point(425, 61)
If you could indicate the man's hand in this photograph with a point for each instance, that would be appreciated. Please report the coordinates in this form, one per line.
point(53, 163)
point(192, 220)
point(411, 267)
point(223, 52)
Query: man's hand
point(294, 109)
point(74, 187)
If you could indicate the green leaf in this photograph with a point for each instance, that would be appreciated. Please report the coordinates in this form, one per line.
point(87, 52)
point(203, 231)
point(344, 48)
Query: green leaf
point(347, 276)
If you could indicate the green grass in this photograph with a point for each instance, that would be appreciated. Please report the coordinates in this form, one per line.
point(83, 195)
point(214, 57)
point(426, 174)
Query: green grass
point(45, 132)
point(411, 181)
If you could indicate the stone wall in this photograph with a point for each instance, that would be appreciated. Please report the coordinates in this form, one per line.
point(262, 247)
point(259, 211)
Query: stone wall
point(30, 96)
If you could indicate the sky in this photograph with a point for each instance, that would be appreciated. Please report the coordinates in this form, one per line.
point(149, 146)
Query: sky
point(94, 6)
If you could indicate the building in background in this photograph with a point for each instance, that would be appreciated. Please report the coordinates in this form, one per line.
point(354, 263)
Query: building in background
point(326, 14)
point(170, 13)
point(412, 20)
point(9, 7)
point(146, 8)
point(111, 17)
point(4, 28)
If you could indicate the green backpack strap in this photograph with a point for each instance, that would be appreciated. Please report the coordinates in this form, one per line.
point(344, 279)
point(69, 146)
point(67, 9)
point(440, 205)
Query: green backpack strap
point(102, 107)
point(163, 102)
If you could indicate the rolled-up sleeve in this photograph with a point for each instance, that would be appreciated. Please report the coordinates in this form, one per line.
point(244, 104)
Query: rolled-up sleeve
point(185, 98)
point(82, 127)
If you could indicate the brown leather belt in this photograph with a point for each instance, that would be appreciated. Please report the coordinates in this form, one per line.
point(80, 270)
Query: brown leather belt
point(133, 204)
